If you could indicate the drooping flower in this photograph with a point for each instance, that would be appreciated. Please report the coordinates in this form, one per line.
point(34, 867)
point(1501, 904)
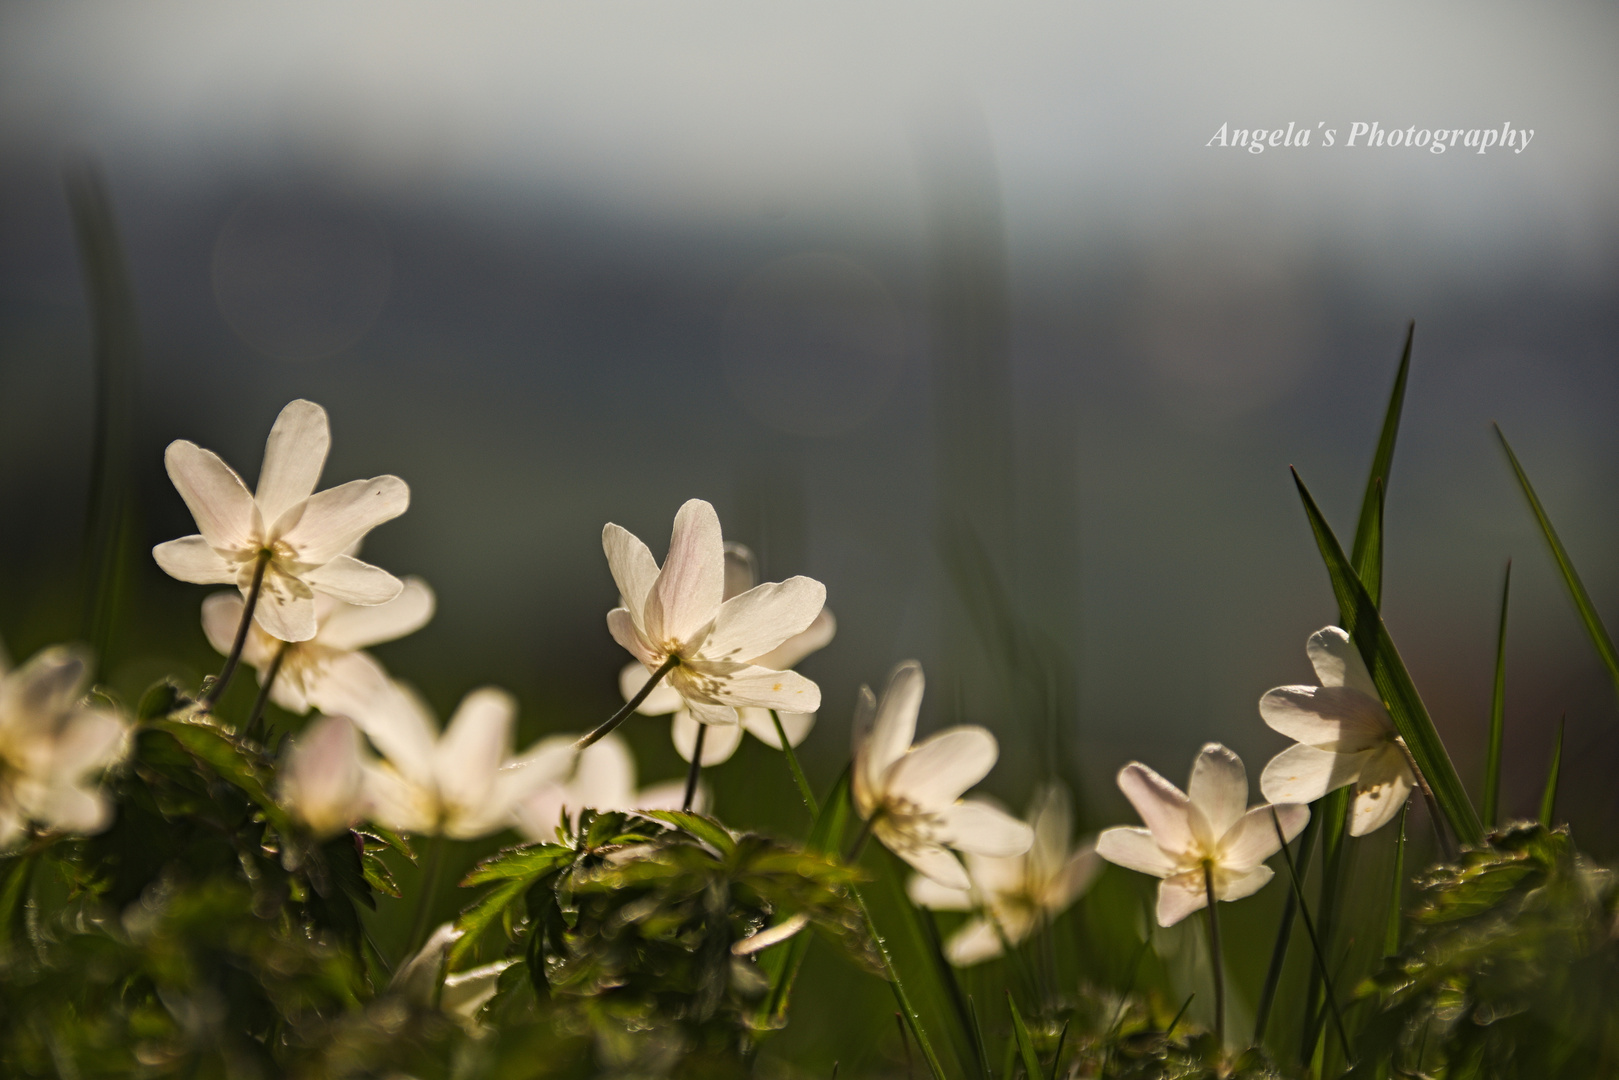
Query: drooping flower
point(678, 615)
point(601, 777)
point(321, 781)
point(329, 671)
point(722, 740)
point(463, 784)
point(53, 742)
point(304, 535)
point(1015, 895)
point(1344, 736)
point(1207, 832)
point(911, 795)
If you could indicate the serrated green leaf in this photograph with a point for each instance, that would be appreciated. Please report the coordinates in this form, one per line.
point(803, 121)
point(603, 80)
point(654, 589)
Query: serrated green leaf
point(1411, 719)
point(1025, 1044)
point(1498, 705)
point(482, 914)
point(705, 829)
point(1548, 797)
point(233, 763)
point(387, 838)
point(527, 863)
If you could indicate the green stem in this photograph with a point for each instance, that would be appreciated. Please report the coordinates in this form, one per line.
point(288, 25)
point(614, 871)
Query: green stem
point(1284, 933)
point(263, 699)
point(1214, 958)
point(696, 769)
point(1309, 928)
point(630, 706)
point(804, 791)
point(432, 867)
point(235, 657)
point(906, 1008)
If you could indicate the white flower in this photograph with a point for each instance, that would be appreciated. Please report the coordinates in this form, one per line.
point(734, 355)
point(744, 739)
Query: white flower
point(722, 740)
point(600, 777)
point(328, 671)
point(1205, 831)
point(911, 795)
point(321, 781)
point(680, 613)
point(306, 534)
point(52, 743)
point(462, 784)
point(1015, 894)
point(1345, 736)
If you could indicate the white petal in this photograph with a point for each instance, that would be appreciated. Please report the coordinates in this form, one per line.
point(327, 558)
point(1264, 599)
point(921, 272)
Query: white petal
point(938, 769)
point(1384, 785)
point(1334, 717)
point(633, 567)
point(663, 700)
point(1071, 881)
point(348, 579)
point(1135, 849)
point(984, 829)
point(345, 686)
point(1218, 791)
point(975, 942)
point(894, 725)
point(336, 518)
point(92, 739)
point(719, 740)
point(818, 635)
point(353, 626)
point(931, 860)
point(1302, 774)
point(762, 727)
point(221, 616)
point(865, 781)
point(323, 778)
point(293, 457)
point(1253, 839)
point(670, 795)
point(762, 618)
point(1235, 886)
point(691, 585)
point(724, 683)
point(1052, 819)
point(397, 803)
point(71, 808)
point(286, 607)
point(401, 726)
point(1337, 661)
point(927, 893)
point(215, 495)
point(604, 779)
point(712, 715)
point(998, 873)
point(1163, 808)
point(190, 558)
point(1179, 896)
point(477, 740)
point(741, 569)
point(622, 626)
point(44, 688)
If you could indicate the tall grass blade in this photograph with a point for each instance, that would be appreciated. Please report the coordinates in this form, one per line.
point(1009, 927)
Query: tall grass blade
point(912, 1018)
point(1284, 934)
point(1388, 671)
point(1025, 1044)
point(1498, 700)
point(781, 965)
point(1548, 798)
point(1576, 588)
point(1391, 931)
point(1366, 553)
point(1315, 941)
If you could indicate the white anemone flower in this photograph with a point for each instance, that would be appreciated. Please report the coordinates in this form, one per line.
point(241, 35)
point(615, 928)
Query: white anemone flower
point(305, 535)
point(722, 740)
point(53, 742)
point(329, 671)
point(321, 781)
point(1344, 736)
point(1205, 838)
point(910, 796)
point(601, 777)
point(677, 616)
point(462, 784)
point(1017, 894)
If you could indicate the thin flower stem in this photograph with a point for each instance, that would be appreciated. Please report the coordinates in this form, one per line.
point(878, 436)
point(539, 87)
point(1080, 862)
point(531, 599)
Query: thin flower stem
point(696, 770)
point(432, 867)
point(630, 706)
point(216, 690)
point(1309, 928)
point(1438, 819)
point(859, 844)
point(1187, 1004)
point(1284, 934)
point(263, 699)
point(1215, 960)
point(907, 1009)
point(804, 791)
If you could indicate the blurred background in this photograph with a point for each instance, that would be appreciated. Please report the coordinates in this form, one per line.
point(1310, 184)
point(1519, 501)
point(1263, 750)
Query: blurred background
point(947, 306)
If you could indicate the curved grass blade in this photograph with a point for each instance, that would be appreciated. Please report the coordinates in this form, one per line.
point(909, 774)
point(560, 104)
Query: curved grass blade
point(1498, 695)
point(1411, 719)
point(1025, 1044)
point(1366, 553)
point(1548, 798)
point(1576, 588)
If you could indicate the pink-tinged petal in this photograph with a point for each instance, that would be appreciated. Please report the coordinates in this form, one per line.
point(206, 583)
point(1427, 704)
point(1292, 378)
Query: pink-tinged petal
point(352, 626)
point(1163, 808)
point(760, 726)
point(218, 500)
point(941, 767)
point(477, 740)
point(1252, 840)
point(894, 725)
point(1332, 717)
point(984, 830)
point(624, 631)
point(927, 893)
point(816, 637)
point(930, 860)
point(1179, 896)
point(294, 455)
point(741, 569)
point(348, 579)
point(323, 779)
point(633, 567)
point(1218, 791)
point(719, 740)
point(334, 519)
point(663, 700)
point(975, 942)
point(1302, 774)
point(691, 585)
point(1235, 886)
point(1384, 785)
point(1337, 662)
point(286, 607)
point(192, 559)
point(1135, 849)
point(729, 684)
point(762, 618)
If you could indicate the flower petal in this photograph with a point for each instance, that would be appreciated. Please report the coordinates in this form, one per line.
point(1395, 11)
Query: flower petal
point(894, 724)
point(215, 495)
point(975, 942)
point(1135, 849)
point(984, 829)
point(622, 626)
point(334, 519)
point(348, 579)
point(760, 726)
point(91, 740)
point(477, 740)
point(397, 803)
point(931, 861)
point(1162, 806)
point(864, 781)
point(691, 585)
point(1179, 896)
point(1218, 790)
point(1302, 774)
point(1070, 883)
point(663, 700)
point(1337, 662)
point(193, 559)
point(941, 767)
point(718, 682)
point(1235, 886)
point(925, 892)
point(1333, 717)
point(816, 637)
point(762, 618)
point(604, 779)
point(741, 569)
point(633, 567)
point(1253, 839)
point(43, 688)
point(346, 686)
point(354, 626)
point(1385, 783)
point(719, 740)
point(294, 455)
point(286, 607)
point(401, 726)
point(1053, 822)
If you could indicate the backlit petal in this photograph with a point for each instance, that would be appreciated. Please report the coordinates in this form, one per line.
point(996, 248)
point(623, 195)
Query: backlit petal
point(925, 892)
point(348, 579)
point(930, 860)
point(294, 455)
point(1334, 717)
point(192, 559)
point(476, 742)
point(663, 700)
point(1218, 789)
point(1179, 896)
point(1337, 661)
point(762, 618)
point(218, 500)
point(1135, 849)
point(622, 626)
point(941, 767)
point(719, 740)
point(1235, 886)
point(1162, 806)
point(894, 724)
point(632, 565)
point(760, 726)
point(984, 829)
point(784, 691)
point(334, 519)
point(1253, 839)
point(286, 607)
point(1384, 785)
point(691, 585)
point(1302, 774)
point(975, 942)
point(353, 626)
point(817, 636)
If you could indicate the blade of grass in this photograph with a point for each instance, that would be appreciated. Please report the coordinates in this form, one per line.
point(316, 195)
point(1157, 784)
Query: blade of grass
point(1576, 588)
point(912, 1018)
point(1025, 1045)
point(1548, 797)
point(1410, 715)
point(1056, 1061)
point(1391, 932)
point(945, 984)
point(1498, 696)
point(799, 779)
point(1366, 553)
point(1284, 934)
point(826, 836)
point(1309, 929)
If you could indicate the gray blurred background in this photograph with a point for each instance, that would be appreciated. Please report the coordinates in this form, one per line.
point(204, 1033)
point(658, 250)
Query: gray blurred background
point(948, 306)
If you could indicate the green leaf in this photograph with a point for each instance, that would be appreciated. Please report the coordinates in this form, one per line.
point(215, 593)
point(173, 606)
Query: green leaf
point(526, 863)
point(1411, 719)
point(482, 914)
point(1571, 578)
point(234, 763)
point(706, 829)
point(1498, 699)
point(1366, 553)
point(1548, 798)
point(826, 832)
point(1391, 930)
point(161, 699)
point(1025, 1045)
